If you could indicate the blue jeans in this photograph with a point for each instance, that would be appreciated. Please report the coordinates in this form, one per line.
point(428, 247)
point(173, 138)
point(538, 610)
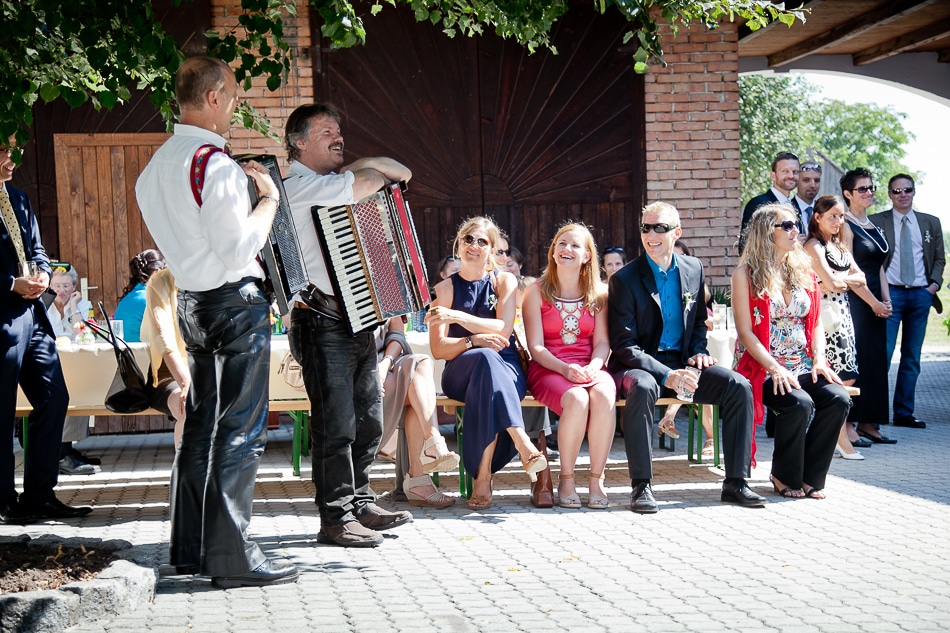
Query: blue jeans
point(342, 379)
point(911, 307)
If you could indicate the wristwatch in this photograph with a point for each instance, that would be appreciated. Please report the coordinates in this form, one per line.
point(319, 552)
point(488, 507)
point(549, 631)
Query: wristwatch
point(468, 343)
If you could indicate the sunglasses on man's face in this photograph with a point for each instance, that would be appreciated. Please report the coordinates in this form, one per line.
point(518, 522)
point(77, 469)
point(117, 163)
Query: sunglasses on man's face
point(659, 227)
point(865, 189)
point(898, 191)
point(471, 239)
point(788, 226)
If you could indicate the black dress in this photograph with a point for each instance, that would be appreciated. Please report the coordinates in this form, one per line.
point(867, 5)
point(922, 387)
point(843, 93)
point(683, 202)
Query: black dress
point(869, 250)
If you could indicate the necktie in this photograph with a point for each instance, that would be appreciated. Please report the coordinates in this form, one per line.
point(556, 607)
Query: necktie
point(13, 226)
point(806, 216)
point(907, 254)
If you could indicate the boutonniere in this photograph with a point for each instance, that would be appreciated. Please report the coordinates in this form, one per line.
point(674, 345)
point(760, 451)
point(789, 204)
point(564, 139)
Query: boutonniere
point(492, 301)
point(757, 315)
point(688, 300)
point(927, 236)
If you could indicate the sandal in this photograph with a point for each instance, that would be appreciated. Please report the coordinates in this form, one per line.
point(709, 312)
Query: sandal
point(535, 463)
point(571, 501)
point(708, 448)
point(480, 502)
point(444, 460)
point(436, 500)
point(596, 502)
point(788, 492)
point(815, 493)
point(668, 427)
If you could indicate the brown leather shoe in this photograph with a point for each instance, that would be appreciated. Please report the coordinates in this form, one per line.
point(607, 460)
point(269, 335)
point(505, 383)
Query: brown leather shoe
point(349, 534)
point(375, 518)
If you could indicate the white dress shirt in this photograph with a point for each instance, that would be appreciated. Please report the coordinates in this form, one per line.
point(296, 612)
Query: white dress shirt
point(893, 271)
point(306, 189)
point(204, 247)
point(63, 326)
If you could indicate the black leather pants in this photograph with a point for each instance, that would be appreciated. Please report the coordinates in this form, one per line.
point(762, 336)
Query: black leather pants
point(227, 333)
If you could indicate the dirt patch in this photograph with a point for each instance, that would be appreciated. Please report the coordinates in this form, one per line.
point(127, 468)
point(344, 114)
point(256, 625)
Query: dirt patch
point(34, 566)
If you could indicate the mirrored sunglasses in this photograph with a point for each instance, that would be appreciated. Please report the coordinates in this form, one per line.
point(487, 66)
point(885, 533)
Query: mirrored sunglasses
point(659, 227)
point(898, 191)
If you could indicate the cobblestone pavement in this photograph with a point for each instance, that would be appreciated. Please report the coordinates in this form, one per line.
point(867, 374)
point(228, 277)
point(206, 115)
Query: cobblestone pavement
point(874, 556)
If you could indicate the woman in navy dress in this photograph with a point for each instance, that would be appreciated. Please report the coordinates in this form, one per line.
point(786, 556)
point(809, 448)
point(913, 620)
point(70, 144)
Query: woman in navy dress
point(470, 326)
point(869, 248)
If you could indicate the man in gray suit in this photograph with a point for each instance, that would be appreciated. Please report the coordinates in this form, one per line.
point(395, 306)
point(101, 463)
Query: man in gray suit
point(914, 269)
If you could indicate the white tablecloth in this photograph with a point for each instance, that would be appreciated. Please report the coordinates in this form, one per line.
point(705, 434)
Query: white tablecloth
point(89, 370)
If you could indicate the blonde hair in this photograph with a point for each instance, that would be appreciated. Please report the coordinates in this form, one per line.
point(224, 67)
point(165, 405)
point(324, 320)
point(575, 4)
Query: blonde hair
point(590, 276)
point(765, 273)
point(491, 231)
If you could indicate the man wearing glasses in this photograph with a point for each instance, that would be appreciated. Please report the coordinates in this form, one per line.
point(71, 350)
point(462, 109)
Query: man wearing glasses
point(784, 177)
point(809, 182)
point(914, 270)
point(657, 316)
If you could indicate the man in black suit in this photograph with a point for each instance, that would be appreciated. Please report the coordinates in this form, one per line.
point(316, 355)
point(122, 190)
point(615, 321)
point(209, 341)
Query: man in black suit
point(784, 177)
point(657, 316)
point(29, 360)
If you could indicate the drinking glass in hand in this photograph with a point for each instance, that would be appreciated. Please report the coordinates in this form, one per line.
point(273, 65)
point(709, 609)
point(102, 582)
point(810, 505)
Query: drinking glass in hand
point(30, 270)
point(685, 394)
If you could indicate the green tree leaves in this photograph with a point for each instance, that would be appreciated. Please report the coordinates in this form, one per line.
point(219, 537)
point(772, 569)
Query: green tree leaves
point(781, 113)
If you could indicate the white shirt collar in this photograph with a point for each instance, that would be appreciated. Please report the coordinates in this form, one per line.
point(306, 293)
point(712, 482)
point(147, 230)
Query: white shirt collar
point(207, 135)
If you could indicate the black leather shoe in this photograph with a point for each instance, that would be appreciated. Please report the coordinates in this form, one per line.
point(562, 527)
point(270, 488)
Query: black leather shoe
point(11, 513)
point(739, 492)
point(55, 509)
point(862, 442)
point(375, 518)
point(268, 573)
point(642, 500)
point(879, 439)
point(910, 422)
point(95, 461)
point(70, 465)
point(349, 534)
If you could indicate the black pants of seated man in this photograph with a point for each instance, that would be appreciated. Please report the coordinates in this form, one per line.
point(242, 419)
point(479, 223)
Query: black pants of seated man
point(341, 374)
point(227, 334)
point(718, 386)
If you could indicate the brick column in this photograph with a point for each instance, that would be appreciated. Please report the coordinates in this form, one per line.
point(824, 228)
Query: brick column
point(275, 106)
point(692, 144)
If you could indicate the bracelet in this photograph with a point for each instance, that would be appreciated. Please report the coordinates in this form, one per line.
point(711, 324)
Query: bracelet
point(267, 197)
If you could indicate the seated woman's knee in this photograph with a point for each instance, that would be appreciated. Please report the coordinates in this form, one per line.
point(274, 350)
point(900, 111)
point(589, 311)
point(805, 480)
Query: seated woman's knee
point(575, 399)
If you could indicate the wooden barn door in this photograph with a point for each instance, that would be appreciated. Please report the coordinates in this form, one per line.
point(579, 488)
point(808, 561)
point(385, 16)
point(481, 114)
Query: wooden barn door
point(487, 128)
point(100, 225)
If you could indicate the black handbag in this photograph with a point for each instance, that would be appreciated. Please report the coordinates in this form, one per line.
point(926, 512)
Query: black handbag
point(127, 393)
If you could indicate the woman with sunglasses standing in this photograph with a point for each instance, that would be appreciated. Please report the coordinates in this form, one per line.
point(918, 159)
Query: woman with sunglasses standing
point(777, 303)
point(471, 326)
point(869, 249)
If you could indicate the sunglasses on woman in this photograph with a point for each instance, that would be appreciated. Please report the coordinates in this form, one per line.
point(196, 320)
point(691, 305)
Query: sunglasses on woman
point(865, 189)
point(659, 228)
point(471, 239)
point(788, 226)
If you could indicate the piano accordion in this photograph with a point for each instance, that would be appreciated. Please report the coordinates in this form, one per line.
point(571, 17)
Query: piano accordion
point(285, 272)
point(373, 257)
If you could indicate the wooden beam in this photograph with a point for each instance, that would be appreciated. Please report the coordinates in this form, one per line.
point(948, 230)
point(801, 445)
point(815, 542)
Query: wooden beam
point(849, 30)
point(749, 35)
point(920, 37)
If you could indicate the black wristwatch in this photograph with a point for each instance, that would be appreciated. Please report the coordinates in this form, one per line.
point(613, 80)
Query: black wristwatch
point(468, 343)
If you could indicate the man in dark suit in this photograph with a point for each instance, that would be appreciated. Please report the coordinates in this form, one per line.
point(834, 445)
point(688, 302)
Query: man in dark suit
point(29, 360)
point(914, 269)
point(784, 177)
point(657, 317)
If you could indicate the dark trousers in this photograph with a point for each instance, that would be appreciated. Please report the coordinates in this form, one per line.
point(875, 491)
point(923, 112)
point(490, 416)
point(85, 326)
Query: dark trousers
point(227, 334)
point(30, 360)
point(717, 385)
point(342, 379)
point(803, 452)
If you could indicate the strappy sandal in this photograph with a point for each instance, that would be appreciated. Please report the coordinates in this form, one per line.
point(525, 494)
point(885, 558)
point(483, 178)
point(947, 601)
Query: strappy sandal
point(788, 492)
point(535, 463)
point(596, 502)
point(708, 448)
point(571, 501)
point(444, 460)
point(668, 427)
point(815, 493)
point(436, 500)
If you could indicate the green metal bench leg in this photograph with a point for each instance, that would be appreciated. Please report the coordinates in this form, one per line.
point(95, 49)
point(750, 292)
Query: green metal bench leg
point(694, 435)
point(305, 440)
point(465, 479)
point(26, 419)
point(663, 438)
point(301, 437)
point(716, 435)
